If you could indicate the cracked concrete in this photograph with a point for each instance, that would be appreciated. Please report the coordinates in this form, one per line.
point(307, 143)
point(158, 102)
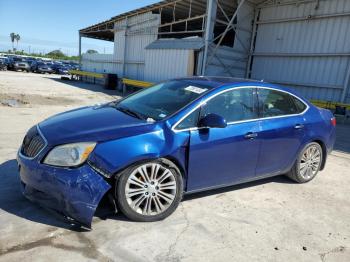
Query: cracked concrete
point(269, 220)
point(336, 250)
point(171, 254)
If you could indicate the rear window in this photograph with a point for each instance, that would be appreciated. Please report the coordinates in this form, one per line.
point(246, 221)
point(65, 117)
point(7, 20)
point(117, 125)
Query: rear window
point(299, 105)
point(277, 103)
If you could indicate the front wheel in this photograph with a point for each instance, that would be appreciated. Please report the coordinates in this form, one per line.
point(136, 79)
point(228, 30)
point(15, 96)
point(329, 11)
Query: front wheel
point(149, 192)
point(308, 163)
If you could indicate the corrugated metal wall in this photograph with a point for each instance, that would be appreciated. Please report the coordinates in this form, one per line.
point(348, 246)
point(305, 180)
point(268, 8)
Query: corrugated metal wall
point(132, 35)
point(141, 31)
point(302, 44)
point(162, 64)
point(233, 60)
point(99, 63)
point(310, 55)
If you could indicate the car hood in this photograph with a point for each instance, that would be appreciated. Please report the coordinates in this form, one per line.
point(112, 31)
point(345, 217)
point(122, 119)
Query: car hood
point(96, 123)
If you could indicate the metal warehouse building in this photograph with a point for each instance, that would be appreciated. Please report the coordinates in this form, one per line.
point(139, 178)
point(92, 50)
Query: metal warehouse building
point(301, 44)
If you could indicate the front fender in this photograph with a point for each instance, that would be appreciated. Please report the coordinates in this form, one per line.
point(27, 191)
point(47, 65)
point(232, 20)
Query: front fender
point(114, 156)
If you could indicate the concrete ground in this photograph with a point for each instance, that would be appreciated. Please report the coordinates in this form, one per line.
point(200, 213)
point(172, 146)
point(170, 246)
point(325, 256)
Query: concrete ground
point(270, 220)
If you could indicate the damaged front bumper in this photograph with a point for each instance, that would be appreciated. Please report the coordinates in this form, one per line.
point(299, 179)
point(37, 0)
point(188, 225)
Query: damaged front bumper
point(75, 192)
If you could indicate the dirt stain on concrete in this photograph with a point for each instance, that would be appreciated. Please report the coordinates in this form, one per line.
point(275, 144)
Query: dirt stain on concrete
point(88, 248)
point(21, 100)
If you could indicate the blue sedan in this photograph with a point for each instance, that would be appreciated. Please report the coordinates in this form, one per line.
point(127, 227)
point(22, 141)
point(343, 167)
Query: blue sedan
point(147, 150)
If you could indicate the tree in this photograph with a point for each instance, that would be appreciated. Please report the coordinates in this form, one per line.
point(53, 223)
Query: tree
point(13, 37)
point(91, 51)
point(17, 38)
point(56, 54)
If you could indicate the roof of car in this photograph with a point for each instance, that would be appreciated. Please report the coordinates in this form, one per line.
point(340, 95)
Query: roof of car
point(217, 81)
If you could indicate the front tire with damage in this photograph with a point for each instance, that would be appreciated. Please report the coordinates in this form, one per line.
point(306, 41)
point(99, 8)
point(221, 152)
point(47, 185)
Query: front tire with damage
point(149, 191)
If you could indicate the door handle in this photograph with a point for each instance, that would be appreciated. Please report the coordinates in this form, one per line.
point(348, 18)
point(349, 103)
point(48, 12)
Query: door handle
point(299, 126)
point(251, 135)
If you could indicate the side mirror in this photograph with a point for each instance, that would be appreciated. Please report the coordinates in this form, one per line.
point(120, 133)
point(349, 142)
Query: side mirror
point(212, 120)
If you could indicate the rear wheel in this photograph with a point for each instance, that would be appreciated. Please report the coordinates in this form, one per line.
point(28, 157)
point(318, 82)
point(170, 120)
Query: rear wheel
point(308, 163)
point(149, 192)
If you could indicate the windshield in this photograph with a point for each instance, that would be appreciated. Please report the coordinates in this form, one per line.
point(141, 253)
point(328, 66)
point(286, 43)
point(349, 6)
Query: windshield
point(162, 100)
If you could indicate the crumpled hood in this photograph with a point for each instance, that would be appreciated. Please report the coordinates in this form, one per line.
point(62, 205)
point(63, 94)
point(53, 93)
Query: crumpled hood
point(96, 123)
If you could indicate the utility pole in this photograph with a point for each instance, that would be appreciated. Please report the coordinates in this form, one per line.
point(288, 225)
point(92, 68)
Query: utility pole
point(79, 51)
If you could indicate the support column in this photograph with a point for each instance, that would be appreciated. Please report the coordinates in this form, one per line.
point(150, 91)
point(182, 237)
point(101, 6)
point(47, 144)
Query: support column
point(209, 31)
point(79, 51)
point(125, 46)
point(346, 87)
point(228, 27)
point(252, 44)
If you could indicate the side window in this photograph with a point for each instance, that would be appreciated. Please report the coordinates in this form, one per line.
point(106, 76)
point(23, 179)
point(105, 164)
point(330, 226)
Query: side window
point(299, 105)
point(190, 121)
point(234, 105)
point(276, 103)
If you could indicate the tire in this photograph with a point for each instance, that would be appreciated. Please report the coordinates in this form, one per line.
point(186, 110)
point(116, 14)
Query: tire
point(307, 164)
point(147, 202)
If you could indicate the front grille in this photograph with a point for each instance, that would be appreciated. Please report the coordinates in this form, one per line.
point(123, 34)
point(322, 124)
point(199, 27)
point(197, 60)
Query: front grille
point(33, 143)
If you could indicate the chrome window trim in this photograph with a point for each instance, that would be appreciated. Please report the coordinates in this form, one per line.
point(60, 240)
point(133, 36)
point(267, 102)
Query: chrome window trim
point(173, 128)
point(45, 145)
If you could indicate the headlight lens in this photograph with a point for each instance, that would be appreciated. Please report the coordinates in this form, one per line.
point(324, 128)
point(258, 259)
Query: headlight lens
point(69, 155)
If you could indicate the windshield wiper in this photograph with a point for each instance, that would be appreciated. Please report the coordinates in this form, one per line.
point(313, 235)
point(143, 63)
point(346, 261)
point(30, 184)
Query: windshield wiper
point(130, 112)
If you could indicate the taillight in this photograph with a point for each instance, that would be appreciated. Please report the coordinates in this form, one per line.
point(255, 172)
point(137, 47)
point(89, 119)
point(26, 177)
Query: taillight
point(333, 121)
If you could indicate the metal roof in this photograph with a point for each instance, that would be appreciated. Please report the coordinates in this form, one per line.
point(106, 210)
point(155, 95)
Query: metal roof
point(104, 30)
point(184, 43)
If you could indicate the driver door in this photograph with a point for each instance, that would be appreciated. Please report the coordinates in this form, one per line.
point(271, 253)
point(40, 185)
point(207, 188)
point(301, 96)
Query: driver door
point(224, 156)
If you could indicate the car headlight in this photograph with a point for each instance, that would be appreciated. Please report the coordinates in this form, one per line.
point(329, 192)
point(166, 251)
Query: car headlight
point(69, 155)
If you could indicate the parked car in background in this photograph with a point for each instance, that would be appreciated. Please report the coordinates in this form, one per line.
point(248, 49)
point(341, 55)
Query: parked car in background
point(11, 61)
point(55, 65)
point(21, 64)
point(63, 70)
point(74, 66)
point(71, 65)
point(3, 63)
point(178, 137)
point(30, 62)
point(34, 65)
point(44, 67)
point(38, 65)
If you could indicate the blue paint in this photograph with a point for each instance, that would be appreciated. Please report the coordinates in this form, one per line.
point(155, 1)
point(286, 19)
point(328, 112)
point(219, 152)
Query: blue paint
point(74, 192)
point(208, 158)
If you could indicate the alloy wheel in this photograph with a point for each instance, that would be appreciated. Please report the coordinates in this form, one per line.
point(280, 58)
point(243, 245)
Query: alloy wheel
point(310, 162)
point(150, 189)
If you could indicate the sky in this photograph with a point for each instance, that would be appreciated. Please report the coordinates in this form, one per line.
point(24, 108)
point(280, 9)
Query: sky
point(46, 25)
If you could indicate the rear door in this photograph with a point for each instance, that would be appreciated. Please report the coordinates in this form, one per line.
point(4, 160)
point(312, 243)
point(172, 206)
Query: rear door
point(282, 129)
